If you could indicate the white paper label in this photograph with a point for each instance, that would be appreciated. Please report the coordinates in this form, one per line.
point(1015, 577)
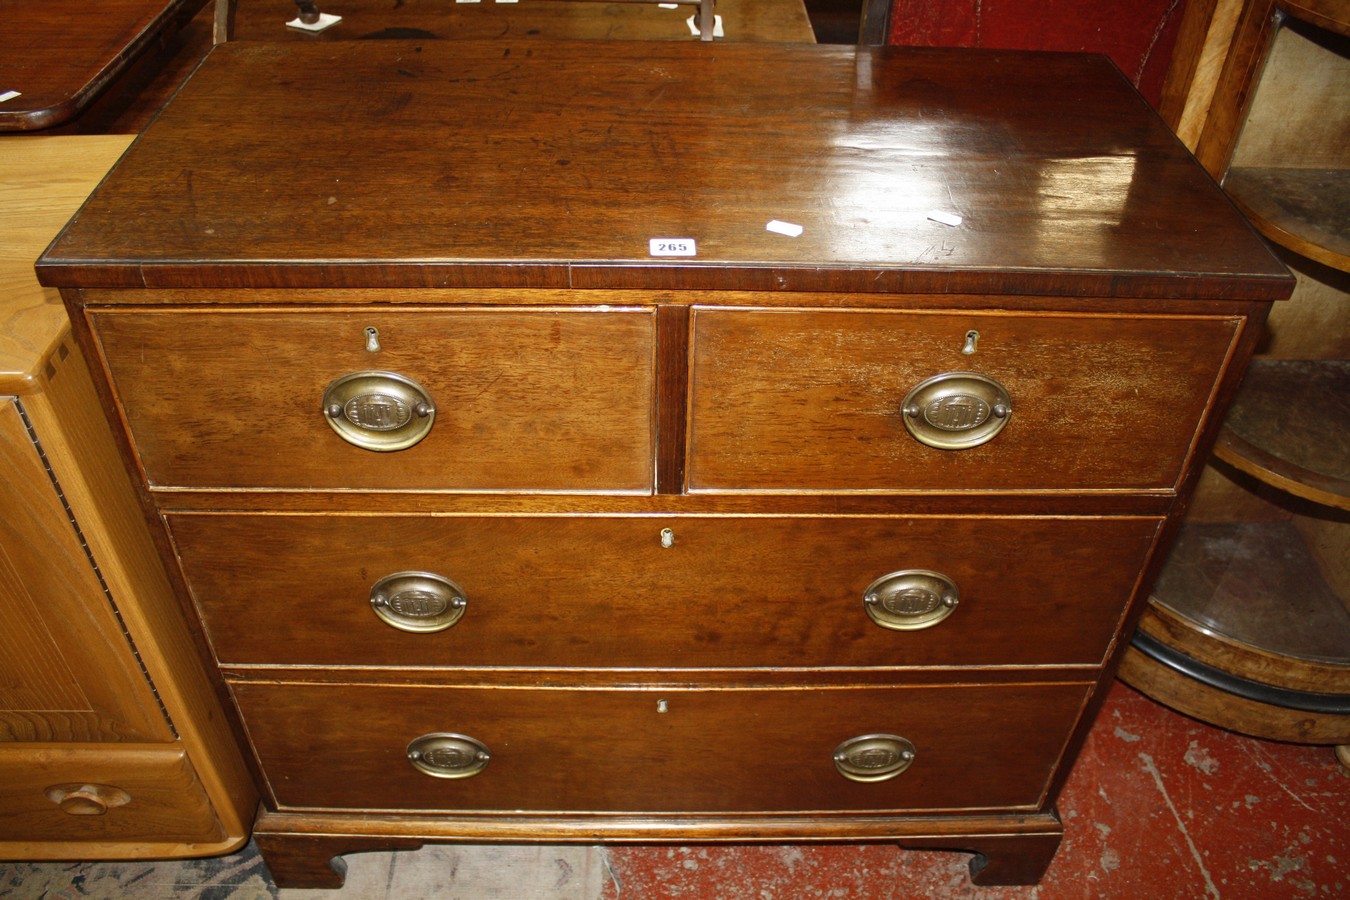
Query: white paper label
point(945, 218)
point(787, 228)
point(8, 95)
point(672, 247)
point(325, 21)
point(717, 26)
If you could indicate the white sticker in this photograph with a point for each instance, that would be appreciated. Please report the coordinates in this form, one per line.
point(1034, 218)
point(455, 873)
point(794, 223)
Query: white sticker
point(672, 247)
point(325, 21)
point(786, 228)
point(945, 218)
point(669, 5)
point(717, 26)
point(9, 95)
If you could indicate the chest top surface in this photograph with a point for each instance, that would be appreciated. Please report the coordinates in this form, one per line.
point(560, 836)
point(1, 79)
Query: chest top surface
point(536, 164)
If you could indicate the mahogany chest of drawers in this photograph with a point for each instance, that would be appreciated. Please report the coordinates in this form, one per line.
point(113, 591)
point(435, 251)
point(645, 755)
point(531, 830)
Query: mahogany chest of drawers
point(532, 479)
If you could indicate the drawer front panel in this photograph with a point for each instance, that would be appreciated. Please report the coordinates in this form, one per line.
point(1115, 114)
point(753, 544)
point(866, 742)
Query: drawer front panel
point(523, 399)
point(603, 591)
point(346, 746)
point(815, 400)
point(103, 794)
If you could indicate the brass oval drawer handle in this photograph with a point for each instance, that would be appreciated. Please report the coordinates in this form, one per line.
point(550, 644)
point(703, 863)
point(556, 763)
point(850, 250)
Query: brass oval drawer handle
point(911, 599)
point(419, 602)
point(873, 757)
point(957, 410)
point(379, 411)
point(446, 755)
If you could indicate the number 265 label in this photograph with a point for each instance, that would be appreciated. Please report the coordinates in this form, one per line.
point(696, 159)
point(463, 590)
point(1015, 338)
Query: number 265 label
point(672, 247)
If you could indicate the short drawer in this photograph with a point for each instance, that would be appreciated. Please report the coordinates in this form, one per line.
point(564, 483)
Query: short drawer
point(825, 400)
point(531, 399)
point(657, 750)
point(105, 796)
point(606, 591)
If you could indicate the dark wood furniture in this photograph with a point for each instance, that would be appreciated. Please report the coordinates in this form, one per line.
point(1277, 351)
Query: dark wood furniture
point(113, 743)
point(424, 20)
point(1249, 627)
point(529, 488)
point(57, 58)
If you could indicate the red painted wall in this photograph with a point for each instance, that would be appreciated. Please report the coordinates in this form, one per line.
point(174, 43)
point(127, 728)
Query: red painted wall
point(1137, 34)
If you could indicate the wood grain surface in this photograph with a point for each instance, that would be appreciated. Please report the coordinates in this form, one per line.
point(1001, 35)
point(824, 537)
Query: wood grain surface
point(1067, 185)
point(60, 56)
point(169, 812)
point(813, 400)
point(43, 181)
point(67, 670)
point(602, 592)
point(536, 399)
point(723, 750)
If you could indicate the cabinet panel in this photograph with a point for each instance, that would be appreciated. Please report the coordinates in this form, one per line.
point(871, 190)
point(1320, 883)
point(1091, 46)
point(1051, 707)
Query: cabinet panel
point(605, 592)
point(67, 670)
point(815, 400)
point(524, 399)
point(346, 746)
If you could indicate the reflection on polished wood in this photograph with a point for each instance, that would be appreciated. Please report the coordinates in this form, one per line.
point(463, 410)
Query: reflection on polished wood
point(698, 144)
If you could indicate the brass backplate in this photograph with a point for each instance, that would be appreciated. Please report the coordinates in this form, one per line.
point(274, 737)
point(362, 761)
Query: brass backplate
point(380, 411)
point(956, 410)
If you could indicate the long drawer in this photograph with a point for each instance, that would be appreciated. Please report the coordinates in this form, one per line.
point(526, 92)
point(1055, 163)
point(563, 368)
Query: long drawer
point(853, 400)
point(499, 399)
point(356, 746)
point(680, 591)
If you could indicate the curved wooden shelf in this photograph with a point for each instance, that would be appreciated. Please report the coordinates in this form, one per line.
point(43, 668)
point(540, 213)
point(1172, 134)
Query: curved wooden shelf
point(1306, 210)
point(1290, 427)
point(1179, 691)
point(1218, 603)
point(1328, 14)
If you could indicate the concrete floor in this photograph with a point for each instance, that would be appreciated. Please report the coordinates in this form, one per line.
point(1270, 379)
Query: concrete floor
point(1159, 806)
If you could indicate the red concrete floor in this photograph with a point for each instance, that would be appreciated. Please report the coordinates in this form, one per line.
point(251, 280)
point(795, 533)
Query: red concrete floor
point(1159, 806)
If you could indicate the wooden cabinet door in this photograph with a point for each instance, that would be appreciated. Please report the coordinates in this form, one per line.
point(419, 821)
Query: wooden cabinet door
point(68, 670)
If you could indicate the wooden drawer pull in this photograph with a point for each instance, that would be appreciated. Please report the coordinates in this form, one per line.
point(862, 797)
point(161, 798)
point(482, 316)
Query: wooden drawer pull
point(957, 410)
point(911, 599)
point(380, 411)
point(87, 799)
point(419, 602)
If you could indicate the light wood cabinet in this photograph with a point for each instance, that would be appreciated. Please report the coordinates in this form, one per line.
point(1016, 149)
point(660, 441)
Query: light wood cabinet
point(112, 741)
